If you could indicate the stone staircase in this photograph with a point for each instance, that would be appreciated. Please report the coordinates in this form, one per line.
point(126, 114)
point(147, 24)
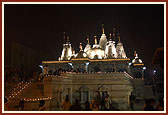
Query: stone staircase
point(31, 94)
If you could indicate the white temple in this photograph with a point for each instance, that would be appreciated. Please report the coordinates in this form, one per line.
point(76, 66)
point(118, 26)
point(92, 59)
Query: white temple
point(102, 67)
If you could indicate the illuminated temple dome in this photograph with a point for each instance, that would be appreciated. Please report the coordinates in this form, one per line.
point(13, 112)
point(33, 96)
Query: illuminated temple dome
point(103, 40)
point(110, 51)
point(88, 46)
point(67, 50)
point(81, 53)
point(96, 52)
point(120, 49)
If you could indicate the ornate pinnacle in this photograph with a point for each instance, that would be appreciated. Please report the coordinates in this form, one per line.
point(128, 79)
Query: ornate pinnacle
point(114, 29)
point(95, 39)
point(110, 36)
point(103, 28)
point(64, 37)
point(88, 39)
point(67, 38)
point(80, 46)
point(119, 37)
point(73, 50)
point(114, 33)
point(135, 54)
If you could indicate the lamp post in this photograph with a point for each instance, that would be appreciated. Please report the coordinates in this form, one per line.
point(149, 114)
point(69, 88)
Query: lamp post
point(154, 84)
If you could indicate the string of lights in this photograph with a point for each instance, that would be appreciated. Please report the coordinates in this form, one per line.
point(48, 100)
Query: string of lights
point(37, 99)
point(18, 89)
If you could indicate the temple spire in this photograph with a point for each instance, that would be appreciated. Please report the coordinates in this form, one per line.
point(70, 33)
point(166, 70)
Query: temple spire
point(119, 38)
point(88, 39)
point(73, 51)
point(67, 38)
point(103, 28)
point(135, 54)
point(110, 36)
point(114, 34)
point(64, 37)
point(95, 39)
point(80, 47)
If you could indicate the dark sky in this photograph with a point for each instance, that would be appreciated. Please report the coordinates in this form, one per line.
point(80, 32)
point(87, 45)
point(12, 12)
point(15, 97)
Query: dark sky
point(41, 27)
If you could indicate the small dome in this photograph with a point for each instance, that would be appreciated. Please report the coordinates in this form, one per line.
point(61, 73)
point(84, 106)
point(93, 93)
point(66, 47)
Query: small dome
point(66, 52)
point(81, 54)
point(136, 61)
point(120, 51)
point(103, 41)
point(110, 51)
point(88, 47)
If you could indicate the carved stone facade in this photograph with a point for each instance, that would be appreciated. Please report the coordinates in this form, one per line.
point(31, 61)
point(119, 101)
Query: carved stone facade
point(84, 86)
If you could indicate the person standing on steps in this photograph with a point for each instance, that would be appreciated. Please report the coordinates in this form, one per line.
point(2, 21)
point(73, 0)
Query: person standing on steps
point(66, 104)
point(132, 99)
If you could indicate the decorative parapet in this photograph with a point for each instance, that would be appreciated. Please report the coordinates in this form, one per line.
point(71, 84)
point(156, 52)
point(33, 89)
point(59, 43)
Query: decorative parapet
point(46, 62)
point(115, 59)
point(91, 60)
point(76, 59)
point(139, 64)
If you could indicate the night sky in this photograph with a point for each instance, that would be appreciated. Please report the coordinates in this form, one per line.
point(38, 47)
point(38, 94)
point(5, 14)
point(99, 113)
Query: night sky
point(41, 27)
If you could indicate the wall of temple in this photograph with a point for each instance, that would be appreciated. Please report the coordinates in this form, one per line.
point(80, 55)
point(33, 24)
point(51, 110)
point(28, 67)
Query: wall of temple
point(84, 86)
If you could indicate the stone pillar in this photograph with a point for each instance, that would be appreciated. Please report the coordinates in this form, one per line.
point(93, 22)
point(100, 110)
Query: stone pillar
point(102, 68)
point(115, 63)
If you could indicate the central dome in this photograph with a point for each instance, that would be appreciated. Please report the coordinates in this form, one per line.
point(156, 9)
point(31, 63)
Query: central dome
point(95, 53)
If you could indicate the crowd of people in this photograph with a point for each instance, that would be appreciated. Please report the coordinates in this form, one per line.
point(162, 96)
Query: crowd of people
point(46, 70)
point(14, 74)
point(150, 105)
point(107, 105)
point(18, 74)
point(95, 105)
